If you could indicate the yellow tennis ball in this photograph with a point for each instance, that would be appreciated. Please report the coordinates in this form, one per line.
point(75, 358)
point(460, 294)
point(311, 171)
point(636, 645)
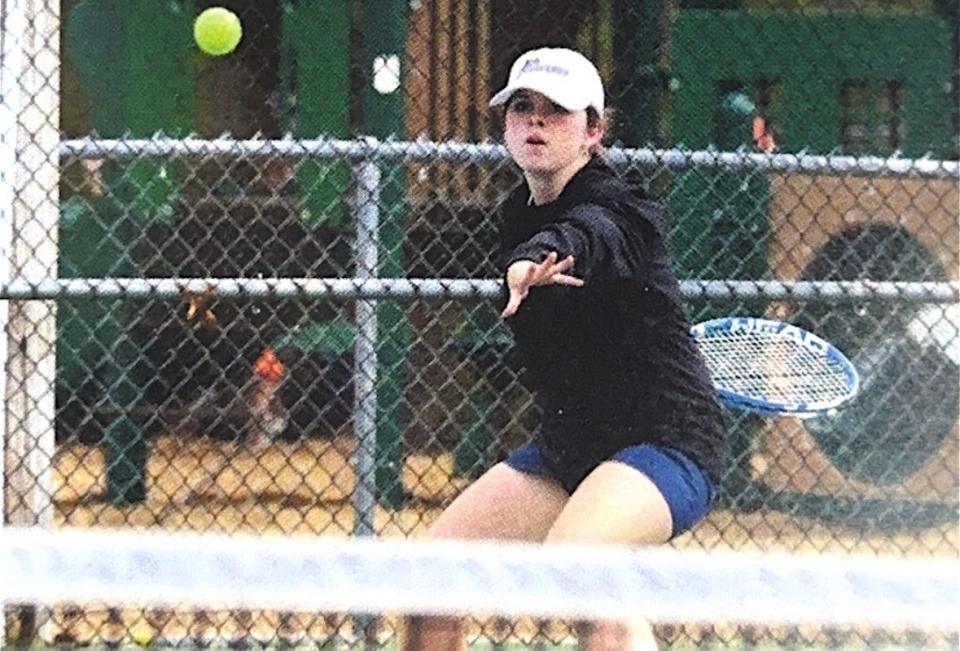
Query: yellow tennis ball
point(142, 634)
point(217, 31)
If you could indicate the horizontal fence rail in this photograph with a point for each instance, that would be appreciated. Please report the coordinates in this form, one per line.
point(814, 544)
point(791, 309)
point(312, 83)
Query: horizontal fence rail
point(461, 288)
point(394, 151)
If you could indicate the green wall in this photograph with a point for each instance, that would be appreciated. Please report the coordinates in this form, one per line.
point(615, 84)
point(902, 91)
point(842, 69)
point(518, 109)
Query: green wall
point(812, 57)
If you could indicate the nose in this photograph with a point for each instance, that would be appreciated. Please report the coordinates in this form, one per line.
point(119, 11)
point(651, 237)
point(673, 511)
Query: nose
point(536, 118)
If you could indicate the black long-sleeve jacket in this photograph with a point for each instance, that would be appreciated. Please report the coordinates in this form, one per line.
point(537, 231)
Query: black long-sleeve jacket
point(612, 363)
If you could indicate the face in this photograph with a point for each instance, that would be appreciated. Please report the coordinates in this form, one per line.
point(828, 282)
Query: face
point(543, 137)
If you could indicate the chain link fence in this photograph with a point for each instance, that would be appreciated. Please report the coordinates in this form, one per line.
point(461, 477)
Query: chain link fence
point(256, 293)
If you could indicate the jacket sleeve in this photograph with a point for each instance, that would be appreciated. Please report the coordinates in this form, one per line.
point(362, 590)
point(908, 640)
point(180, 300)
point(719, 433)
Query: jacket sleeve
point(596, 239)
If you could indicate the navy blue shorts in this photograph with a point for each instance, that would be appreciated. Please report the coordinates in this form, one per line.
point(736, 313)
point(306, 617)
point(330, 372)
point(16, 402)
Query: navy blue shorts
point(685, 487)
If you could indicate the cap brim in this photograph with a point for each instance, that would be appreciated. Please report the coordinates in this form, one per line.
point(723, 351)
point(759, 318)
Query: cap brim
point(503, 96)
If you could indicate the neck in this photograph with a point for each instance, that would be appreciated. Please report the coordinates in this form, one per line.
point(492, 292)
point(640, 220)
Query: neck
point(546, 186)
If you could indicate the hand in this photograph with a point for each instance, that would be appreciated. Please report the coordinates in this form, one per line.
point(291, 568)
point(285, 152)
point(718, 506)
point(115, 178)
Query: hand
point(524, 274)
point(198, 307)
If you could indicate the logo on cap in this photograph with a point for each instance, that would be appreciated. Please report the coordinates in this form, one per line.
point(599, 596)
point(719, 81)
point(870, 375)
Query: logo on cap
point(534, 65)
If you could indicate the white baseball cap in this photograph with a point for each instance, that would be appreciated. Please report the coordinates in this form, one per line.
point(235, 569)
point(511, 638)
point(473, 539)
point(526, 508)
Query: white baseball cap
point(564, 76)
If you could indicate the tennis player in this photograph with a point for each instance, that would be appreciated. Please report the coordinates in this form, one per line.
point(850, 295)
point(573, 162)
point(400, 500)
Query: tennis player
point(630, 444)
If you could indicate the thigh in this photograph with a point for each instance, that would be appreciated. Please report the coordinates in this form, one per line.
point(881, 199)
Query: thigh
point(615, 504)
point(504, 503)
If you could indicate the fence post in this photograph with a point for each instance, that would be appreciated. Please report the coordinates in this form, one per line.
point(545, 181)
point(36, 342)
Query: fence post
point(384, 29)
point(31, 73)
point(31, 333)
point(10, 62)
point(365, 355)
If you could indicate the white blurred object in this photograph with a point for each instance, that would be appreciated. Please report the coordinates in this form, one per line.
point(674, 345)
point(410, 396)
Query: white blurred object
point(386, 73)
point(319, 574)
point(938, 325)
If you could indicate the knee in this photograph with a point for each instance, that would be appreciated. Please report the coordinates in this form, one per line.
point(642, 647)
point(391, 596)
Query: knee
point(603, 636)
point(636, 635)
point(429, 633)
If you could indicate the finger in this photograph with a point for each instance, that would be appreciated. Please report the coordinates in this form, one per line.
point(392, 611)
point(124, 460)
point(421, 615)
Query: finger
point(547, 275)
point(564, 265)
point(561, 267)
point(548, 262)
point(570, 281)
point(512, 305)
point(542, 272)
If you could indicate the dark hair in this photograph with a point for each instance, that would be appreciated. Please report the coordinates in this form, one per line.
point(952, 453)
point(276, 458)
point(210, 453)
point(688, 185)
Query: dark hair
point(594, 120)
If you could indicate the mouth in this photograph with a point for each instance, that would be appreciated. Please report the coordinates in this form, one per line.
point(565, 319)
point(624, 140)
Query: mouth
point(536, 140)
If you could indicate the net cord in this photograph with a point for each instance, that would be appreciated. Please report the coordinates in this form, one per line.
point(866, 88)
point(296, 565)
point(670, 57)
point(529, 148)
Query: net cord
point(401, 576)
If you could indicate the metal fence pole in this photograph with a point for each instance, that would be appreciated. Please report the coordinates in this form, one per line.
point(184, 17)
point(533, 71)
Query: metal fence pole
point(366, 362)
point(385, 36)
point(31, 73)
point(33, 253)
point(10, 57)
point(366, 254)
point(10, 61)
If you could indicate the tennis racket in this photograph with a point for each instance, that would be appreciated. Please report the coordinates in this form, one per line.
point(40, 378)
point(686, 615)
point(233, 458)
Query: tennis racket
point(773, 368)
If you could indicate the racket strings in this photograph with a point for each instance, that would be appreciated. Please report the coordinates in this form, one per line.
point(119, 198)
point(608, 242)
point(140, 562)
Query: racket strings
point(766, 366)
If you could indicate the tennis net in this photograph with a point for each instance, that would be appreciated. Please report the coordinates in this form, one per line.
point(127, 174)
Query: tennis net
point(283, 580)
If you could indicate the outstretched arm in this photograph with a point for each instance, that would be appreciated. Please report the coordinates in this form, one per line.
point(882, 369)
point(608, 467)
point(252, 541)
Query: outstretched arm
point(589, 241)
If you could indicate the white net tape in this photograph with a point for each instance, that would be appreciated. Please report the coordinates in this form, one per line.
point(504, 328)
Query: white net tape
point(400, 576)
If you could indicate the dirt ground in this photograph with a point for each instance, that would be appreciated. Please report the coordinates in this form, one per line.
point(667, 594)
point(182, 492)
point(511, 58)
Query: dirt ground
point(305, 488)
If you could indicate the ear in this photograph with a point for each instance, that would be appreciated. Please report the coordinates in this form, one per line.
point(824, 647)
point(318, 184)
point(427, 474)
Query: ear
point(594, 134)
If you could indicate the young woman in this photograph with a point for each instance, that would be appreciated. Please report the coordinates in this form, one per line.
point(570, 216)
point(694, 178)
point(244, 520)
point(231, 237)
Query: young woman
point(630, 443)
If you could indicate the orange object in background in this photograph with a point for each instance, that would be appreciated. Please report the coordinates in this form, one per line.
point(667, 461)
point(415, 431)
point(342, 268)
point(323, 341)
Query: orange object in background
point(268, 366)
point(762, 138)
point(268, 416)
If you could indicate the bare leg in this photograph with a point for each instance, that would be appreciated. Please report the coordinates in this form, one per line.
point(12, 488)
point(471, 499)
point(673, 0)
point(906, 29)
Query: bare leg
point(504, 504)
point(615, 504)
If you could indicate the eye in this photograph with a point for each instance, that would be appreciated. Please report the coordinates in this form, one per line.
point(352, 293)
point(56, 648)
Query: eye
point(521, 104)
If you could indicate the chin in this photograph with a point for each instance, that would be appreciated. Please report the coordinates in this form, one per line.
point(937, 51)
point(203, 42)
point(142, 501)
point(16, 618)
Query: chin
point(537, 166)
